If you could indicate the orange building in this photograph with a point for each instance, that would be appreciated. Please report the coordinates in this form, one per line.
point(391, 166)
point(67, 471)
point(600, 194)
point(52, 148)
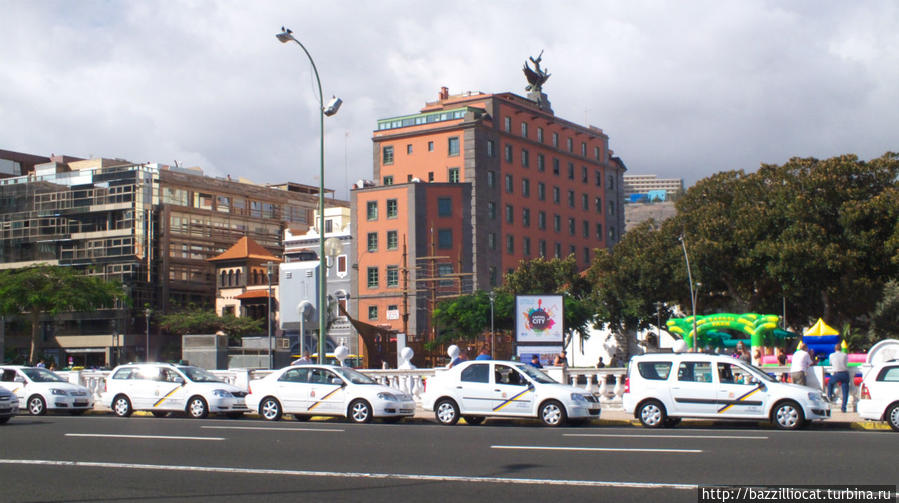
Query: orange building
point(473, 184)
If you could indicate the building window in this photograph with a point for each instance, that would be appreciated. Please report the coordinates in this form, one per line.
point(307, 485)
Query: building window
point(585, 202)
point(387, 157)
point(525, 217)
point(541, 220)
point(555, 166)
point(525, 158)
point(491, 148)
point(556, 197)
point(586, 255)
point(392, 210)
point(444, 238)
point(541, 248)
point(571, 199)
point(371, 210)
point(393, 276)
point(507, 124)
point(492, 272)
point(453, 175)
point(453, 144)
point(596, 153)
point(584, 177)
point(586, 227)
point(611, 233)
point(571, 249)
point(598, 175)
point(508, 153)
point(570, 144)
point(611, 207)
point(558, 250)
point(571, 226)
point(373, 277)
point(556, 140)
point(526, 246)
point(444, 207)
point(540, 134)
point(583, 149)
point(373, 312)
point(524, 129)
point(409, 148)
point(392, 240)
point(430, 176)
point(388, 180)
point(557, 223)
point(598, 203)
point(541, 162)
point(541, 191)
point(571, 171)
point(510, 188)
point(491, 179)
point(341, 264)
point(491, 210)
point(430, 146)
point(510, 244)
point(525, 187)
point(611, 184)
point(491, 240)
point(372, 241)
point(329, 226)
point(510, 214)
point(599, 232)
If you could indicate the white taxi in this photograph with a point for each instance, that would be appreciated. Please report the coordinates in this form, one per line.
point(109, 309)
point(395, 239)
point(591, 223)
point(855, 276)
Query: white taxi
point(326, 390)
point(879, 394)
point(662, 388)
point(9, 405)
point(42, 390)
point(475, 390)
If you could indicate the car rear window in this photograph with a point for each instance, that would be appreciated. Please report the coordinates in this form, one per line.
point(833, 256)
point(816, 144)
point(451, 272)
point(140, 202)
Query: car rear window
point(125, 373)
point(654, 371)
point(889, 374)
point(479, 372)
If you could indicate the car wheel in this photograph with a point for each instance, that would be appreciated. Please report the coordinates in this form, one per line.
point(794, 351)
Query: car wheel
point(788, 416)
point(359, 411)
point(652, 414)
point(197, 408)
point(446, 411)
point(37, 406)
point(552, 413)
point(473, 420)
point(160, 413)
point(270, 409)
point(892, 416)
point(121, 406)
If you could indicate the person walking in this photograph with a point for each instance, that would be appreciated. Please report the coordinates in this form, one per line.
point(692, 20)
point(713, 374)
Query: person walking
point(484, 354)
point(800, 364)
point(302, 360)
point(535, 361)
point(839, 362)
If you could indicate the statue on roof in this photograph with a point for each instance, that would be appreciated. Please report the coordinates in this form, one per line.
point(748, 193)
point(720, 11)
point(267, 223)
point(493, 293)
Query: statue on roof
point(537, 76)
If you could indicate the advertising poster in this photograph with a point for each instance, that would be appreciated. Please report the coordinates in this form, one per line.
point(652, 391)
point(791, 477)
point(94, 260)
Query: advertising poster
point(538, 318)
point(546, 353)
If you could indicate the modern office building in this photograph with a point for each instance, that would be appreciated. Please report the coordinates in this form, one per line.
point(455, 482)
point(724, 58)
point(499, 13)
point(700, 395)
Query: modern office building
point(151, 226)
point(645, 184)
point(468, 187)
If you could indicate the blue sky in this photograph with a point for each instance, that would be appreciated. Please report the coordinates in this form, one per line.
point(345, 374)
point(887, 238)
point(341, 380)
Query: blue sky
point(683, 89)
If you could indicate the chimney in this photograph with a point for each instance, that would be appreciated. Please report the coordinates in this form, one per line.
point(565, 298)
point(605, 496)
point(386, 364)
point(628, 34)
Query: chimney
point(444, 93)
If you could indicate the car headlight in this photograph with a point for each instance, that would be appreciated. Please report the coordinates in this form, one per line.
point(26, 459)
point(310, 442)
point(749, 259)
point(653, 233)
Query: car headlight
point(815, 396)
point(221, 393)
point(577, 397)
point(387, 396)
point(57, 391)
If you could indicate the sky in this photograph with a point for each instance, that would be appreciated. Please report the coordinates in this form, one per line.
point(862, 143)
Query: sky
point(683, 89)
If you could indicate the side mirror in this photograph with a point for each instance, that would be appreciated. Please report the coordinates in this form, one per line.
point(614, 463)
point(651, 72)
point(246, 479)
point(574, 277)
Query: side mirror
point(179, 380)
point(337, 381)
point(753, 380)
point(19, 379)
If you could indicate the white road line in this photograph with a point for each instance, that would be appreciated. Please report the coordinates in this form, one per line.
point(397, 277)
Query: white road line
point(590, 449)
point(661, 436)
point(393, 476)
point(153, 437)
point(329, 430)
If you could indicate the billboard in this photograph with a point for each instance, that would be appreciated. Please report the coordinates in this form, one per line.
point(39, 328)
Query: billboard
point(538, 318)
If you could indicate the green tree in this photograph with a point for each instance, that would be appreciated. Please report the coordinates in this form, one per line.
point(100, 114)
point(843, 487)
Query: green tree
point(885, 316)
point(195, 320)
point(44, 289)
point(466, 317)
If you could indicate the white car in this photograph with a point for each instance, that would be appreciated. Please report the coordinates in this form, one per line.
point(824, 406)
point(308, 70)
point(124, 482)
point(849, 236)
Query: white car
point(879, 394)
point(163, 387)
point(662, 388)
point(326, 390)
point(42, 390)
point(9, 405)
point(477, 389)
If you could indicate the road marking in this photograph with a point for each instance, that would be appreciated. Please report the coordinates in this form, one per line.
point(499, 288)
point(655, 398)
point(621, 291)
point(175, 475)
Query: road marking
point(393, 476)
point(661, 436)
point(154, 437)
point(329, 430)
point(597, 449)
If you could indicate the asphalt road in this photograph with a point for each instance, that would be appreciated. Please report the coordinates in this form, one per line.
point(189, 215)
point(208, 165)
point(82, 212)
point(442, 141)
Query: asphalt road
point(105, 458)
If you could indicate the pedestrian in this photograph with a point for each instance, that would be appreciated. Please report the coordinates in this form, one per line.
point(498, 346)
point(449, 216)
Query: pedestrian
point(302, 360)
point(600, 364)
point(781, 357)
point(801, 362)
point(457, 360)
point(561, 360)
point(484, 354)
point(839, 362)
point(535, 361)
point(40, 364)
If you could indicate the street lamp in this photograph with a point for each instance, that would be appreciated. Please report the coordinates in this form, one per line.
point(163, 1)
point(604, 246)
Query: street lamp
point(147, 315)
point(333, 105)
point(268, 315)
point(692, 293)
point(659, 324)
point(492, 335)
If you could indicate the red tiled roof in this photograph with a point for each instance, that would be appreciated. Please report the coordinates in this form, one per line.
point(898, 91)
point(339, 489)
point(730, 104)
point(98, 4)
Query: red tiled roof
point(253, 294)
point(246, 248)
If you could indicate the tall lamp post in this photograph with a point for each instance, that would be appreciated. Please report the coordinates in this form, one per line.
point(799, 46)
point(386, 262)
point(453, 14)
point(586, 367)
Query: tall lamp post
point(492, 335)
point(147, 315)
point(692, 292)
point(268, 315)
point(286, 36)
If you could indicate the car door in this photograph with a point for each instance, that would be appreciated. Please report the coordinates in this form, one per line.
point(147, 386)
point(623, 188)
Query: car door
point(474, 389)
point(694, 392)
point(326, 392)
point(15, 383)
point(171, 390)
point(140, 386)
point(513, 392)
point(293, 389)
point(740, 394)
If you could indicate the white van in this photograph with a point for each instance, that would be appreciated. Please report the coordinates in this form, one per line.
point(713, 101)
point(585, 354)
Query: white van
point(662, 388)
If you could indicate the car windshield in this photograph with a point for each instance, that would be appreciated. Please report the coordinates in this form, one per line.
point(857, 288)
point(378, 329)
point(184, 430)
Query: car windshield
point(535, 374)
point(42, 375)
point(196, 374)
point(354, 376)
